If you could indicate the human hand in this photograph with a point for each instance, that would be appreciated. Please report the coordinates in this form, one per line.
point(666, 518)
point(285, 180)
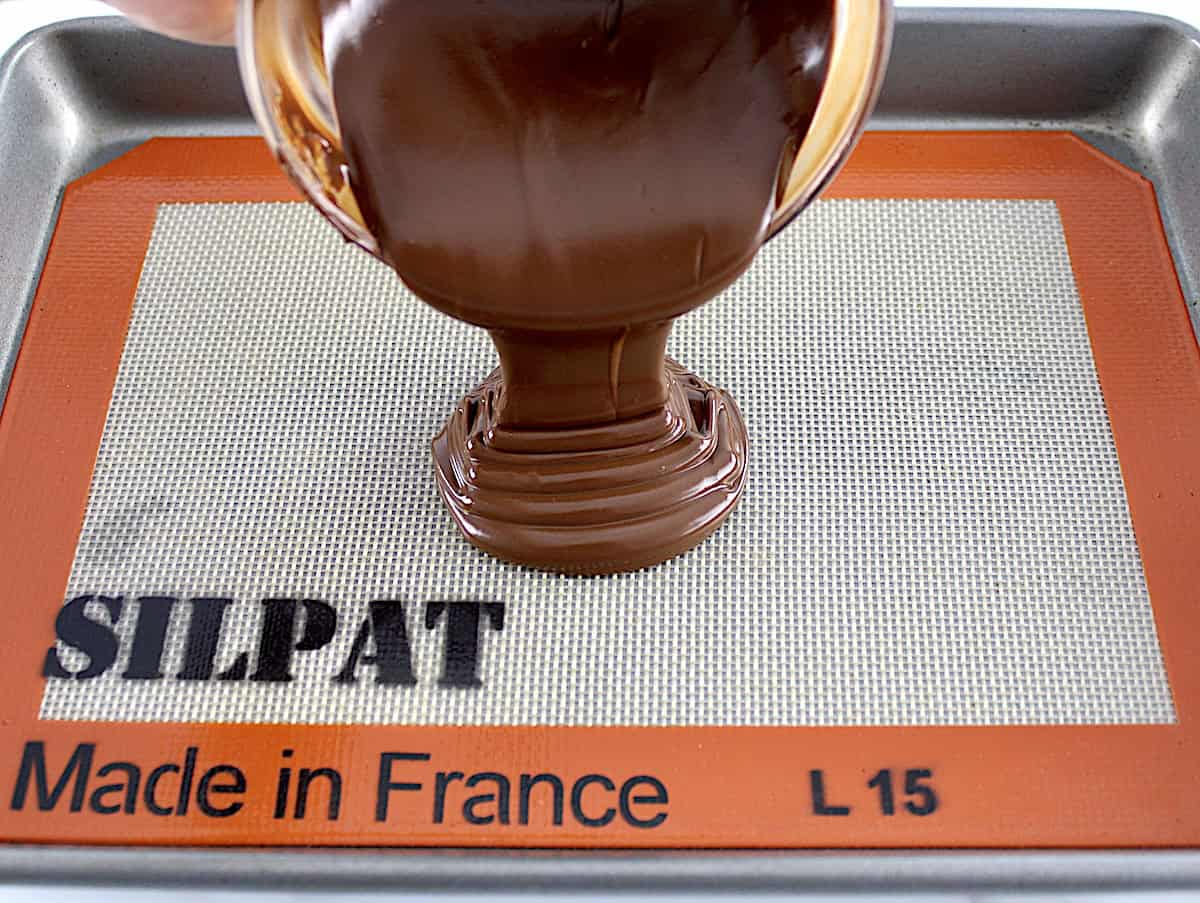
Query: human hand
point(203, 21)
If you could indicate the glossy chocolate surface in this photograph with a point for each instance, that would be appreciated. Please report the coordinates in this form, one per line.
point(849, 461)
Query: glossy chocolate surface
point(572, 175)
point(555, 164)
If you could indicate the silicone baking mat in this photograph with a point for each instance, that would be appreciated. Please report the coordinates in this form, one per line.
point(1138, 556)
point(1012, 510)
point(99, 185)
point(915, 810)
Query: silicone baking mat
point(954, 609)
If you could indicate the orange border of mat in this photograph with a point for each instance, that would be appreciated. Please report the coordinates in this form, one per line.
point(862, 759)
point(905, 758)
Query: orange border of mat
point(1119, 786)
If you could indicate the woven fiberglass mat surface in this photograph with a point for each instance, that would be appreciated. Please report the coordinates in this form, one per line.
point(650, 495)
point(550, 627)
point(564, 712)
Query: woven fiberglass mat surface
point(935, 530)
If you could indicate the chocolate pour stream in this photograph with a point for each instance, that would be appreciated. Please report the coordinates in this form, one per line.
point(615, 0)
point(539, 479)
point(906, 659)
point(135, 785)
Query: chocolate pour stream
point(573, 175)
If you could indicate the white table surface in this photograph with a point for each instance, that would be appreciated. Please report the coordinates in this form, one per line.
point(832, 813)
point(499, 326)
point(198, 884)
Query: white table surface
point(18, 17)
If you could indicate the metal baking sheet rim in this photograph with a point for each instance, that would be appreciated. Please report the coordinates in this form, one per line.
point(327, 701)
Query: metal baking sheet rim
point(1127, 83)
point(606, 873)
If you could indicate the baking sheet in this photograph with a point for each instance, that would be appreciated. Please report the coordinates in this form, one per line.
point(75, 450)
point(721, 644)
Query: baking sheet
point(1124, 83)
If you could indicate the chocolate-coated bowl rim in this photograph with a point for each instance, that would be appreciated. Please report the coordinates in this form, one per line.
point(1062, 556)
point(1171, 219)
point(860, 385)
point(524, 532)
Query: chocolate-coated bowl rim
point(859, 57)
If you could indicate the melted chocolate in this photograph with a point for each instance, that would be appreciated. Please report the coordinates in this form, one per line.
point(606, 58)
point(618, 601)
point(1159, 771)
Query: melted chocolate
point(555, 164)
point(598, 499)
point(572, 175)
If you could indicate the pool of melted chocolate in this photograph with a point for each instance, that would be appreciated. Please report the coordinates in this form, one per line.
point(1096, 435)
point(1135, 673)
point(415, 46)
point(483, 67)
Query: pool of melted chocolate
point(573, 175)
